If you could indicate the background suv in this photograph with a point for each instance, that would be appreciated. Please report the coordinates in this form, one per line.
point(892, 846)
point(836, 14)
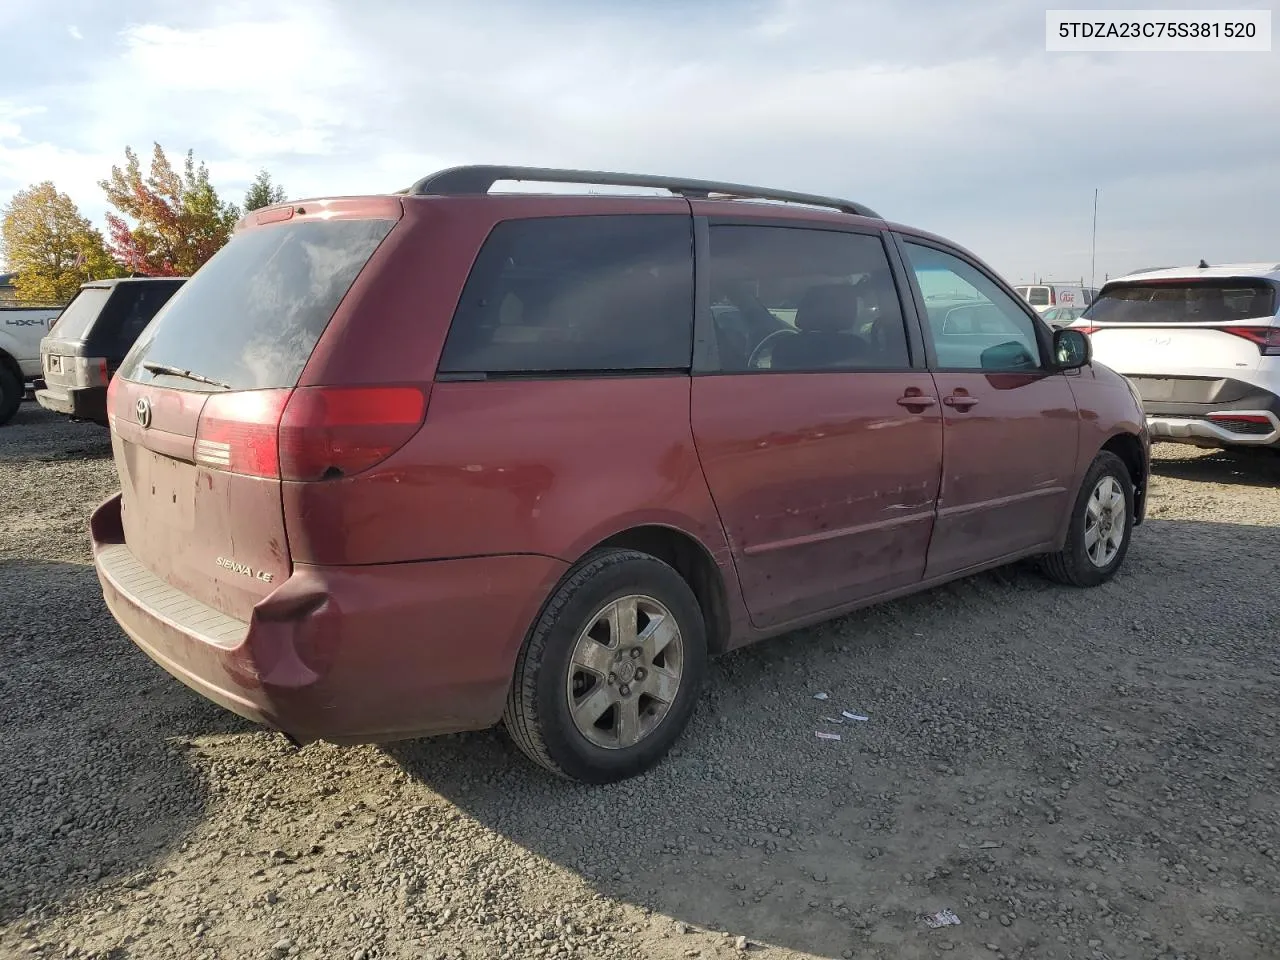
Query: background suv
point(401, 465)
point(1202, 346)
point(92, 335)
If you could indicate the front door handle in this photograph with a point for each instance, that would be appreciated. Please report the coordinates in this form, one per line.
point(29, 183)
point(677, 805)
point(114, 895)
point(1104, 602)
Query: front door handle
point(916, 401)
point(960, 401)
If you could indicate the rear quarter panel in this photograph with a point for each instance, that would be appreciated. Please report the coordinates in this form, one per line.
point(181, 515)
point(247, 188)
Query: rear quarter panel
point(549, 467)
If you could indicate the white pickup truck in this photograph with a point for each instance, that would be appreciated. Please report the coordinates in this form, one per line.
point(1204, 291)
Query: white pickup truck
point(21, 330)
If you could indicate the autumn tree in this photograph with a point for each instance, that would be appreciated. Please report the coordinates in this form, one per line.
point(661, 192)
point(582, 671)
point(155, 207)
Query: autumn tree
point(169, 223)
point(50, 247)
point(263, 193)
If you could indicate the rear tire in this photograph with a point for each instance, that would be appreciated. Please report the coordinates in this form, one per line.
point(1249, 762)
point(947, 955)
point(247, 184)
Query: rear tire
point(11, 394)
point(1101, 526)
point(610, 674)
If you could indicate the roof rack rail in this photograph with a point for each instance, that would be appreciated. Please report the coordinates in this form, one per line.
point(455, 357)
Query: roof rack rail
point(457, 181)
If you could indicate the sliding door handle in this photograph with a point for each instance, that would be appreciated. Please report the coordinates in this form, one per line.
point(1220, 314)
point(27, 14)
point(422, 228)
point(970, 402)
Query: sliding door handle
point(920, 401)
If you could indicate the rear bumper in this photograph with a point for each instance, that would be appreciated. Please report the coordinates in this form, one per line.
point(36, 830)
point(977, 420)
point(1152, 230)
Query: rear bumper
point(1259, 430)
point(83, 403)
point(1252, 419)
point(345, 654)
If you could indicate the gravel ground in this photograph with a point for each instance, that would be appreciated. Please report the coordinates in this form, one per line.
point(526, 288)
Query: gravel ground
point(1076, 774)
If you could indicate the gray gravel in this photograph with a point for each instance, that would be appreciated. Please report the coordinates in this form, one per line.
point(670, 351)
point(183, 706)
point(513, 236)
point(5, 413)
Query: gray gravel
point(1077, 774)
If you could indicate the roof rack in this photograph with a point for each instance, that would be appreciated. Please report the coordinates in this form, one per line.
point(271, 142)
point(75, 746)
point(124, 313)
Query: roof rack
point(480, 179)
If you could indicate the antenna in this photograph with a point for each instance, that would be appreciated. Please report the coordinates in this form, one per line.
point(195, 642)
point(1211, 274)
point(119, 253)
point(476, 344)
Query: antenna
point(1093, 253)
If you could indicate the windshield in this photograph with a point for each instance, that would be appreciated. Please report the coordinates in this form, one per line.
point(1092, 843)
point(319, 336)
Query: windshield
point(250, 317)
point(80, 313)
point(1185, 301)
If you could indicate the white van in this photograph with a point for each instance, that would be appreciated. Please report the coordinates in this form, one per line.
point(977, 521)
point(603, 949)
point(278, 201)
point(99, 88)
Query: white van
point(1044, 296)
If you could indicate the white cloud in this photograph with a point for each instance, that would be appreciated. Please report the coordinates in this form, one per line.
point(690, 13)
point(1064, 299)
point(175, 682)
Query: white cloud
point(75, 33)
point(952, 118)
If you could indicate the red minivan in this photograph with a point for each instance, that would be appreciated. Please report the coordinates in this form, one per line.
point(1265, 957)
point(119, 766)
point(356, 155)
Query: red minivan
point(401, 465)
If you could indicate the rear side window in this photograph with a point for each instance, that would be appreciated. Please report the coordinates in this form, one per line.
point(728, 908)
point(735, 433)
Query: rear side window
point(133, 307)
point(80, 313)
point(577, 295)
point(1193, 301)
point(251, 316)
point(1038, 296)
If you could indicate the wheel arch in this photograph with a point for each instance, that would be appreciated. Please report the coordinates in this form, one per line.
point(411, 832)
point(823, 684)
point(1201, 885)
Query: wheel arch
point(693, 561)
point(1129, 448)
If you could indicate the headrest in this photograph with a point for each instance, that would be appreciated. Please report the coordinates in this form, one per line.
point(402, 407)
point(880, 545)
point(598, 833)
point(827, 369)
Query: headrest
point(830, 308)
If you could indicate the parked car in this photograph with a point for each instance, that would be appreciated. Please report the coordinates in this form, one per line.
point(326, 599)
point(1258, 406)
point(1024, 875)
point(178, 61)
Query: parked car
point(21, 328)
point(542, 481)
point(91, 338)
point(1045, 296)
point(1062, 316)
point(1202, 346)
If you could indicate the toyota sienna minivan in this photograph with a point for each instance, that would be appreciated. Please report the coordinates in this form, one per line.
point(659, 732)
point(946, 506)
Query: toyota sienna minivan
point(402, 465)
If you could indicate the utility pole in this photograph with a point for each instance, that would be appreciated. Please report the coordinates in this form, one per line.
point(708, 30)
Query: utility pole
point(1093, 252)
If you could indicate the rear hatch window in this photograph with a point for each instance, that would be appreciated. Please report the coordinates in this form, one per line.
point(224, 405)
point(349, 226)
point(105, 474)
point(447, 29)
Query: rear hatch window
point(1038, 296)
point(1185, 301)
point(80, 313)
point(250, 317)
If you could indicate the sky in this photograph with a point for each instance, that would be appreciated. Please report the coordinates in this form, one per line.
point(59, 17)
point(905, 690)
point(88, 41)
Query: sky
point(947, 116)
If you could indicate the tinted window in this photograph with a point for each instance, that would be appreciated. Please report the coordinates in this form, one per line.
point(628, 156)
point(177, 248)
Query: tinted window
point(785, 298)
point(1197, 301)
point(577, 294)
point(969, 315)
point(80, 313)
point(251, 316)
point(132, 308)
point(1038, 296)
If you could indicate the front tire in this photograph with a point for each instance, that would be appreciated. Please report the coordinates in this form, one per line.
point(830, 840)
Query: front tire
point(609, 676)
point(1101, 526)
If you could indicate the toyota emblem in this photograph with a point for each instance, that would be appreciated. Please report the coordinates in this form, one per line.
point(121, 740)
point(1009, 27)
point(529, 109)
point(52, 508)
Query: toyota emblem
point(142, 410)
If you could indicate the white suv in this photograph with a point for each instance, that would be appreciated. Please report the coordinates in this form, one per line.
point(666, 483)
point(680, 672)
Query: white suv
point(1202, 347)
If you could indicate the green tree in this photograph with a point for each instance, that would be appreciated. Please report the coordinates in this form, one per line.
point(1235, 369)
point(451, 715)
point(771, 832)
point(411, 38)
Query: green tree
point(263, 193)
point(50, 246)
point(169, 223)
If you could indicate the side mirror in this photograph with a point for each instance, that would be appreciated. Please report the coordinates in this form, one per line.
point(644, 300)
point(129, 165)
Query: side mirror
point(1071, 349)
point(1007, 357)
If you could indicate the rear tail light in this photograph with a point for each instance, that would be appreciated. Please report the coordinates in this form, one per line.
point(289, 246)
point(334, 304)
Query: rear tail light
point(311, 433)
point(1086, 329)
point(239, 432)
point(112, 387)
point(1241, 417)
point(1266, 338)
point(329, 432)
point(1053, 297)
